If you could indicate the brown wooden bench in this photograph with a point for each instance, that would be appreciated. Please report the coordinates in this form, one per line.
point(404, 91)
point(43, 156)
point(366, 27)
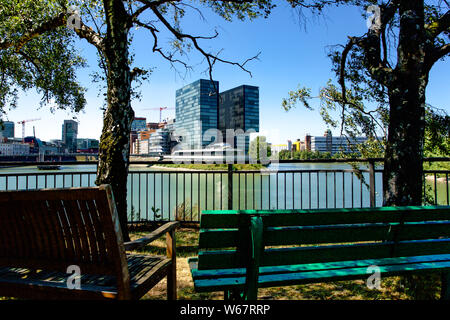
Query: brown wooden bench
point(43, 232)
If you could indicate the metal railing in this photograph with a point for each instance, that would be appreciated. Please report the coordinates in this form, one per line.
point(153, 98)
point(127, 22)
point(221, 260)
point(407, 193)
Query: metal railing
point(169, 194)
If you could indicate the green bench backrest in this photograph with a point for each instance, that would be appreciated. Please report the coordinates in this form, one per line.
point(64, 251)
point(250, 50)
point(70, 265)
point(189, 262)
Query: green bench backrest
point(323, 235)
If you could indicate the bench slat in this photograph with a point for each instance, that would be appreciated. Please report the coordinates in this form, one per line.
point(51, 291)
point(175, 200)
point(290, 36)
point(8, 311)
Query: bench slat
point(273, 280)
point(230, 219)
point(220, 273)
point(273, 236)
point(225, 259)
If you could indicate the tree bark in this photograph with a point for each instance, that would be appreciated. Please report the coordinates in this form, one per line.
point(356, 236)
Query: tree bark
point(403, 169)
point(115, 139)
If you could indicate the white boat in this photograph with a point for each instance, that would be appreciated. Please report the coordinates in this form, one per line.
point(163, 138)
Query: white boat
point(217, 153)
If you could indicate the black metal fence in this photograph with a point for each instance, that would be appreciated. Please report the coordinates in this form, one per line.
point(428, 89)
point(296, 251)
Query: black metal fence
point(161, 194)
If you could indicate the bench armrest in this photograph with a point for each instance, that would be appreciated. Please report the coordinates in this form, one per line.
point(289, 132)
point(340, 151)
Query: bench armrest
point(140, 243)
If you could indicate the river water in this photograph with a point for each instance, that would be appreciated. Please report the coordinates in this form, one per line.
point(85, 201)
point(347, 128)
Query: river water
point(155, 194)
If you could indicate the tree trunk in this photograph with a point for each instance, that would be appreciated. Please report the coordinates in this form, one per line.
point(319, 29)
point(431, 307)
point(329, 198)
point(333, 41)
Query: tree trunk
point(403, 170)
point(114, 145)
point(403, 167)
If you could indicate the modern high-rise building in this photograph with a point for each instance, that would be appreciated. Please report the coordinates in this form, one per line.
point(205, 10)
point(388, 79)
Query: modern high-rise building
point(69, 135)
point(7, 129)
point(139, 124)
point(196, 112)
point(239, 110)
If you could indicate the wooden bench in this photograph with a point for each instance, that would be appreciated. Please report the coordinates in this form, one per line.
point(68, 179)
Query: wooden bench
point(43, 232)
point(241, 251)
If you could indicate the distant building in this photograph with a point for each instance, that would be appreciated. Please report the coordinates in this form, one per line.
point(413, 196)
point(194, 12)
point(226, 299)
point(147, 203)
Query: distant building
point(334, 145)
point(7, 129)
point(69, 135)
point(134, 136)
point(139, 124)
point(47, 147)
point(145, 135)
point(14, 149)
point(152, 125)
point(196, 112)
point(159, 142)
point(289, 144)
point(239, 110)
point(34, 143)
point(298, 145)
point(59, 144)
point(308, 142)
point(87, 145)
point(142, 147)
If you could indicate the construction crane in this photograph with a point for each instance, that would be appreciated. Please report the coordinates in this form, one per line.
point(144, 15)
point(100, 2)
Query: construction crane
point(160, 111)
point(23, 126)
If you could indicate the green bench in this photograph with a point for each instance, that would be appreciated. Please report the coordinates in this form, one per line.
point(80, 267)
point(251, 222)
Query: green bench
point(241, 251)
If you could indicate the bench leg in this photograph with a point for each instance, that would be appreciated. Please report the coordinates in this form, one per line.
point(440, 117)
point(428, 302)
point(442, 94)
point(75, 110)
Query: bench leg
point(445, 286)
point(172, 273)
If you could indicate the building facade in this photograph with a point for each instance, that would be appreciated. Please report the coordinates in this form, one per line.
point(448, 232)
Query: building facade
point(334, 145)
point(87, 145)
point(7, 129)
point(14, 149)
point(159, 142)
point(239, 111)
point(69, 135)
point(139, 124)
point(196, 112)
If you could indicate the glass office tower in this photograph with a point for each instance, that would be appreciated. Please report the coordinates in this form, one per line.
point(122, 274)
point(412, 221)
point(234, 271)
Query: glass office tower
point(239, 110)
point(7, 130)
point(196, 112)
point(69, 135)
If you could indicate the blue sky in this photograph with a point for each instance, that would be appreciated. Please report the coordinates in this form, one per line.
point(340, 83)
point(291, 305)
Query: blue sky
point(290, 56)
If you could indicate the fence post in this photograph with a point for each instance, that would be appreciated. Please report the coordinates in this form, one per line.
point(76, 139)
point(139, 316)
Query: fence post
point(230, 186)
point(372, 183)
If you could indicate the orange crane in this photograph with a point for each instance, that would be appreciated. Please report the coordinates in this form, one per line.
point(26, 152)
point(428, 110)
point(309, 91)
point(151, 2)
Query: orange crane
point(160, 111)
point(23, 126)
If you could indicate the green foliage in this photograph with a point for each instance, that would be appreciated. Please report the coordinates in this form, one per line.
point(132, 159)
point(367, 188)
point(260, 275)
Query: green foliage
point(303, 155)
point(437, 133)
point(359, 103)
point(241, 11)
point(256, 149)
point(47, 62)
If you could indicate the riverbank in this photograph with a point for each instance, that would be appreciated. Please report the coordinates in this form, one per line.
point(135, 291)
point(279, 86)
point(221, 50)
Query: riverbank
point(207, 167)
